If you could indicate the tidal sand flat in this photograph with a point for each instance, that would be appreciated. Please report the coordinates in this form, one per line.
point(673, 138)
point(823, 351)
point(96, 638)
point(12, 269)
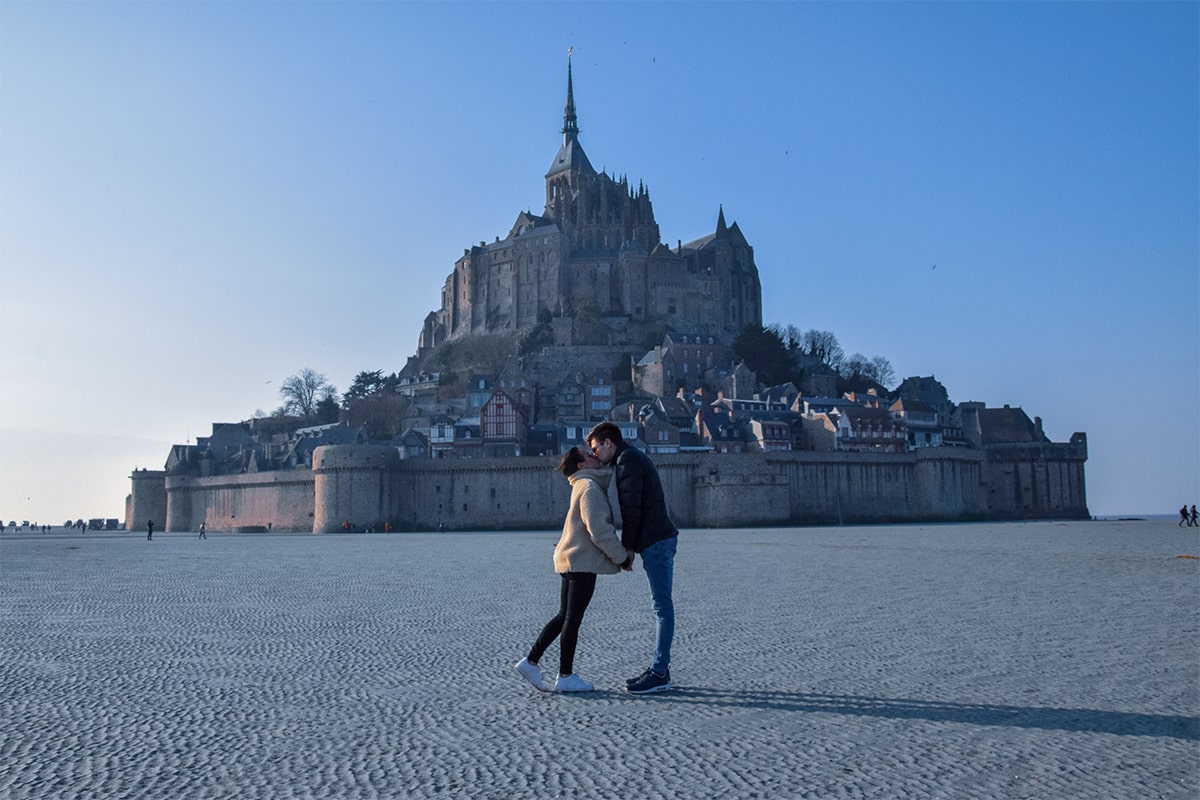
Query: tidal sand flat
point(1020, 660)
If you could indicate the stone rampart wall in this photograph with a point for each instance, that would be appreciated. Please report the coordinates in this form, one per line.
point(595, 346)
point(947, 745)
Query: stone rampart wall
point(278, 501)
point(370, 486)
point(1038, 481)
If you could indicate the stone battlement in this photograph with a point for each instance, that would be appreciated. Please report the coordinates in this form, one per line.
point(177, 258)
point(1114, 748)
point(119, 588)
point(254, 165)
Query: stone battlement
point(369, 486)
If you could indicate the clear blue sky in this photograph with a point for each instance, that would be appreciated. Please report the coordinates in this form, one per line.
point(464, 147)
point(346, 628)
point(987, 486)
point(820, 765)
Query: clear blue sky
point(200, 199)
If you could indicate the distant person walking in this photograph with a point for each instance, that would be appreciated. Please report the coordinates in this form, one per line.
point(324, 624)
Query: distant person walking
point(1183, 518)
point(149, 530)
point(1192, 521)
point(646, 528)
point(203, 528)
point(588, 546)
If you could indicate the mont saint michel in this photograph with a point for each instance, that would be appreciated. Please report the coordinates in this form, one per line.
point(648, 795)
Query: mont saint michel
point(582, 313)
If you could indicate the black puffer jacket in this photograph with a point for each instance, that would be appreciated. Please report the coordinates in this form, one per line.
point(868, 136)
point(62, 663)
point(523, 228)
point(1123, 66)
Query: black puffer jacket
point(644, 517)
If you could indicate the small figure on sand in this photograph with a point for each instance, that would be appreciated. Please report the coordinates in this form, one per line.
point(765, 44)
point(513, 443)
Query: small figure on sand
point(1192, 522)
point(203, 528)
point(149, 530)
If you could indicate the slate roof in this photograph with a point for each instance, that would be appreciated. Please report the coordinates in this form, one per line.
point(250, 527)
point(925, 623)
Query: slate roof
point(413, 438)
point(1007, 426)
point(571, 156)
point(912, 405)
point(651, 357)
point(677, 410)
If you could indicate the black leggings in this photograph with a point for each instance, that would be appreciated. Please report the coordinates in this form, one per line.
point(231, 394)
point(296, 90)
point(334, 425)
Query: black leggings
point(577, 589)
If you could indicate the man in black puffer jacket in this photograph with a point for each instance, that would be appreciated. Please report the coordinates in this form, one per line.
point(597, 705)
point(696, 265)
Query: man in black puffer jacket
point(646, 528)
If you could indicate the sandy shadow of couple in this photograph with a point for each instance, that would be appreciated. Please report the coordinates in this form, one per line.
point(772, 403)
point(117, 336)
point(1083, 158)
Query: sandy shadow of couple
point(1121, 723)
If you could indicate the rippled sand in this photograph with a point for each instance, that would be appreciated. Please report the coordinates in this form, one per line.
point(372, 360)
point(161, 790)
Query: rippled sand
point(1024, 660)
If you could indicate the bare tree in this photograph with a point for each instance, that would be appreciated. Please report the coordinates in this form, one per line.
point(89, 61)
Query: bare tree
point(823, 345)
point(884, 374)
point(303, 391)
point(793, 339)
point(856, 365)
point(876, 368)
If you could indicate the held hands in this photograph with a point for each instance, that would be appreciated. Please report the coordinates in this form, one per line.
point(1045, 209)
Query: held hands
point(628, 565)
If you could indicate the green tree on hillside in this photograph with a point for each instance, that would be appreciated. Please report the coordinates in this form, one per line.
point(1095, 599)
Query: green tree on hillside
point(764, 352)
point(589, 328)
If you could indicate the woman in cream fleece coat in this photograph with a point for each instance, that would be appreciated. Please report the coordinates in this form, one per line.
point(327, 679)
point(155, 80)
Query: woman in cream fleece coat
point(589, 545)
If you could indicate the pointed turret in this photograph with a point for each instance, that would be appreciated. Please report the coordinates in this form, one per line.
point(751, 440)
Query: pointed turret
point(570, 129)
point(571, 157)
point(722, 231)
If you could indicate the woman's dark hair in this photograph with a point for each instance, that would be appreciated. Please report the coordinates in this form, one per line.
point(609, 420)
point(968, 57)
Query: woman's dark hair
point(570, 462)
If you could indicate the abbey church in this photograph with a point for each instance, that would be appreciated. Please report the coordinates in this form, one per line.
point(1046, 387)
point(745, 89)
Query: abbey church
point(596, 247)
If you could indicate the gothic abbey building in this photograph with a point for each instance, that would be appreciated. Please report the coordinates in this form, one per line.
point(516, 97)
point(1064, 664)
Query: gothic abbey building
point(596, 247)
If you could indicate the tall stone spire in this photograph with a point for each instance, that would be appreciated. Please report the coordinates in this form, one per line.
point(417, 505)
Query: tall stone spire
point(570, 129)
point(571, 158)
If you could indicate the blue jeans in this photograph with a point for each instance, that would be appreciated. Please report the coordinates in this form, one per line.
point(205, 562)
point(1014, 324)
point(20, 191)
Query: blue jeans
point(659, 562)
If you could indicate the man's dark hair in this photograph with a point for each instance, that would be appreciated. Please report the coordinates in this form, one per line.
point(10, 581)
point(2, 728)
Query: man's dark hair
point(605, 430)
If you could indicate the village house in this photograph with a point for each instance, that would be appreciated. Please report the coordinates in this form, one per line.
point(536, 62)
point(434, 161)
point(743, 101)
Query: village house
point(441, 436)
point(503, 426)
point(920, 422)
point(870, 430)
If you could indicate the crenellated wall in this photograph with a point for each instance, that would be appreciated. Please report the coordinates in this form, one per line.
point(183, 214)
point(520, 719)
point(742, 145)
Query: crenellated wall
point(369, 486)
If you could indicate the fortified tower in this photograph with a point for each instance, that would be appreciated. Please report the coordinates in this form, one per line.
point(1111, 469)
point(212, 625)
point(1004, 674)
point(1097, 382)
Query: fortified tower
point(147, 500)
point(354, 484)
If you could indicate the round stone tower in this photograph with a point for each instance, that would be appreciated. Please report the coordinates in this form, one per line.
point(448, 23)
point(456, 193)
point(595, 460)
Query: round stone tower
point(354, 484)
point(147, 500)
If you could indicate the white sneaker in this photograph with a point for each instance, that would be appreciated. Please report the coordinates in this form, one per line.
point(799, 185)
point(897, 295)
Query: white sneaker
point(531, 673)
point(572, 683)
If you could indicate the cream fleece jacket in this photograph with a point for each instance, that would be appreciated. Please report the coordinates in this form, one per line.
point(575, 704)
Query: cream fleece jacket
point(589, 541)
